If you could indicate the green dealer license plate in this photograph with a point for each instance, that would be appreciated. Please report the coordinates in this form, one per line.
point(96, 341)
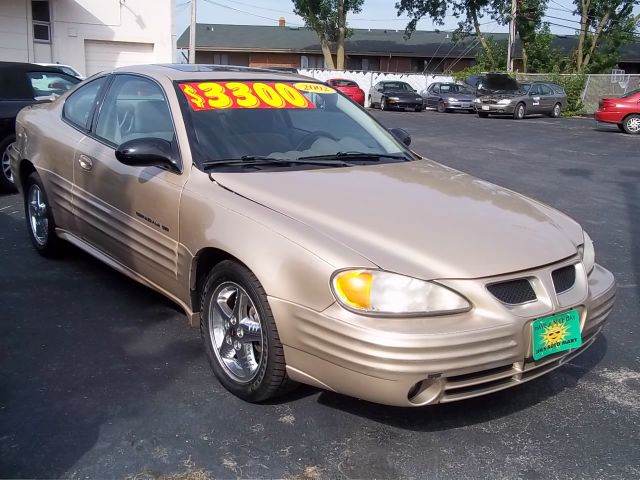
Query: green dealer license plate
point(556, 333)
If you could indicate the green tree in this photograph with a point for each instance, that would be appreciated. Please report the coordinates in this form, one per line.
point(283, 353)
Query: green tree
point(328, 18)
point(528, 24)
point(605, 27)
point(541, 56)
point(468, 12)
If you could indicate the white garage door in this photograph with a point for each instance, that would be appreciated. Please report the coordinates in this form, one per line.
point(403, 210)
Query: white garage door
point(101, 56)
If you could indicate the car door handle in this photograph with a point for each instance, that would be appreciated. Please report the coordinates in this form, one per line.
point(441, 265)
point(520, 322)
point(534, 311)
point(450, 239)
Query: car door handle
point(85, 162)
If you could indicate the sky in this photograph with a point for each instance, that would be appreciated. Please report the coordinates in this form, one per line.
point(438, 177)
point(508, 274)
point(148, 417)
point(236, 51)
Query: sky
point(375, 14)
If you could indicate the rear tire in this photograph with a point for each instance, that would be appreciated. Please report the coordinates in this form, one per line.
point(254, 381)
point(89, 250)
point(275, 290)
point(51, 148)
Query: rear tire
point(621, 128)
point(418, 109)
point(441, 108)
point(520, 111)
point(483, 115)
point(251, 365)
point(557, 110)
point(6, 178)
point(40, 222)
point(371, 105)
point(631, 124)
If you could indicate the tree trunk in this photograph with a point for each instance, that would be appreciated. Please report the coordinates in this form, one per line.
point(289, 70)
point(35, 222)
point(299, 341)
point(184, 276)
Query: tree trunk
point(481, 39)
point(525, 59)
point(596, 37)
point(341, 35)
point(326, 51)
point(584, 14)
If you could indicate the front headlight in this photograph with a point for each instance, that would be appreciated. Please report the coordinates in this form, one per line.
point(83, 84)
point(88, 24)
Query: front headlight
point(395, 99)
point(379, 292)
point(587, 253)
point(476, 100)
point(452, 99)
point(504, 101)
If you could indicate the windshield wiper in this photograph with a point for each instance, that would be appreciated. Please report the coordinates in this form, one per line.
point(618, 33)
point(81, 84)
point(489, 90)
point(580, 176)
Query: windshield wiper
point(363, 156)
point(254, 160)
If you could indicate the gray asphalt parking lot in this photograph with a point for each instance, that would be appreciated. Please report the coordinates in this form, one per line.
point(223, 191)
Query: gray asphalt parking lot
point(103, 378)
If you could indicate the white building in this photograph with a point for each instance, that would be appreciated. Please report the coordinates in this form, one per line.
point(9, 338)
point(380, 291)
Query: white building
point(90, 35)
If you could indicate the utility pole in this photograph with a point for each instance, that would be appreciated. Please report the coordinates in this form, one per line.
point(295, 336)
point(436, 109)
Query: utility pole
point(512, 35)
point(192, 33)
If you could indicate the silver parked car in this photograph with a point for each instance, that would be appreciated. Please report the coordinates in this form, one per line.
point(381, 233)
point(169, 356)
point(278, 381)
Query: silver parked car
point(519, 99)
point(445, 97)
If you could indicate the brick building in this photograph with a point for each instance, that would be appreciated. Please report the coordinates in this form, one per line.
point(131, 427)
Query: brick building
point(367, 49)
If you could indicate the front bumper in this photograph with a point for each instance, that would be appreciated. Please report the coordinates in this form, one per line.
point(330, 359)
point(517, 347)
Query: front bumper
point(420, 361)
point(401, 104)
point(459, 105)
point(495, 108)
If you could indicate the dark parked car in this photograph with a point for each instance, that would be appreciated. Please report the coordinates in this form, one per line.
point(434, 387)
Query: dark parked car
point(446, 97)
point(393, 94)
point(503, 95)
point(23, 84)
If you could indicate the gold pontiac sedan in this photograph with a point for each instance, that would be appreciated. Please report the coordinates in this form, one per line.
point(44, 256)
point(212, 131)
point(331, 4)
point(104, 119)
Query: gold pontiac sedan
point(306, 240)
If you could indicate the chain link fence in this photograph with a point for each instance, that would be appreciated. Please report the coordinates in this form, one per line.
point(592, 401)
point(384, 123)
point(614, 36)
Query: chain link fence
point(596, 87)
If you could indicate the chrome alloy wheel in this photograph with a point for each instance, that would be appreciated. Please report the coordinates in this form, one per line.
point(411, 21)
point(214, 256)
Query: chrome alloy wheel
point(633, 124)
point(6, 165)
point(236, 332)
point(38, 215)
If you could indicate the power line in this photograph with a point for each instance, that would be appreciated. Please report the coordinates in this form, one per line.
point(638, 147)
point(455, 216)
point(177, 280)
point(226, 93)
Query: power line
point(248, 13)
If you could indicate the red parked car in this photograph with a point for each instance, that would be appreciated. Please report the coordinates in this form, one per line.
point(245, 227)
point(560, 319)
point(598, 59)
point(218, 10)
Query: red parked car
point(623, 111)
point(349, 88)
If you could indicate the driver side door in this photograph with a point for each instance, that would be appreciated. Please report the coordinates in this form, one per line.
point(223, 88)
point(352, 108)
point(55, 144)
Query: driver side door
point(131, 213)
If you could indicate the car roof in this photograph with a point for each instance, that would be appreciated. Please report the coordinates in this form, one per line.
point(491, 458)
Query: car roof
point(28, 67)
point(185, 71)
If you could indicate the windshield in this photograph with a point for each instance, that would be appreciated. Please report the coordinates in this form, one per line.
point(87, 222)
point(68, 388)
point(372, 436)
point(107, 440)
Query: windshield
point(398, 87)
point(631, 93)
point(453, 88)
point(283, 120)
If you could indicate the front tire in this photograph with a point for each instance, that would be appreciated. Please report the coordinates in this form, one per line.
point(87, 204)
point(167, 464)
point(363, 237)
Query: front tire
point(6, 178)
point(631, 124)
point(240, 335)
point(483, 115)
point(383, 104)
point(520, 112)
point(441, 108)
point(40, 222)
point(621, 127)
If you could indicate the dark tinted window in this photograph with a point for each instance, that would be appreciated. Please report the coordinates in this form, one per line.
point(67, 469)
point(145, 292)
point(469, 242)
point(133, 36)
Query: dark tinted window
point(398, 86)
point(14, 85)
point(40, 11)
point(79, 105)
point(631, 93)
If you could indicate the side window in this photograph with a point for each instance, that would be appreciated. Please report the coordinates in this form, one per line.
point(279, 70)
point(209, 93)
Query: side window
point(544, 90)
point(436, 89)
point(534, 90)
point(134, 107)
point(45, 84)
point(79, 105)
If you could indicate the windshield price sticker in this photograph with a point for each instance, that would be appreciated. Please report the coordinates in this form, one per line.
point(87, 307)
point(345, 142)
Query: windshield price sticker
point(314, 88)
point(228, 95)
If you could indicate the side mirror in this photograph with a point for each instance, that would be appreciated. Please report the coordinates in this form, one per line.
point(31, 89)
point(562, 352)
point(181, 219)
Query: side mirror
point(147, 152)
point(402, 135)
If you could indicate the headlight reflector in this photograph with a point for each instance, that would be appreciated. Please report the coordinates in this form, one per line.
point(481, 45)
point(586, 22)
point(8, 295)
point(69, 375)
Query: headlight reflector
point(587, 253)
point(376, 291)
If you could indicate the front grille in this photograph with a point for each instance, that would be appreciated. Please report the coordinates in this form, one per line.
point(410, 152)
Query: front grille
point(490, 102)
point(564, 278)
point(513, 292)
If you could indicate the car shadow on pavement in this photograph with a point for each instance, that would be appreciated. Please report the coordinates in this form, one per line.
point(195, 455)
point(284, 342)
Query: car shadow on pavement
point(76, 354)
point(476, 410)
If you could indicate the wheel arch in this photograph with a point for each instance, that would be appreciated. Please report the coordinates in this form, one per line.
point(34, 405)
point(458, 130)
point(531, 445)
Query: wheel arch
point(25, 169)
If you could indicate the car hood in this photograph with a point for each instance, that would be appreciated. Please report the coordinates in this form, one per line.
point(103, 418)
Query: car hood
point(419, 218)
point(500, 96)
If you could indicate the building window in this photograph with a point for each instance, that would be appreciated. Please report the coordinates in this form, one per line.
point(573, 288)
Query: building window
point(221, 59)
point(41, 17)
point(365, 64)
point(304, 61)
